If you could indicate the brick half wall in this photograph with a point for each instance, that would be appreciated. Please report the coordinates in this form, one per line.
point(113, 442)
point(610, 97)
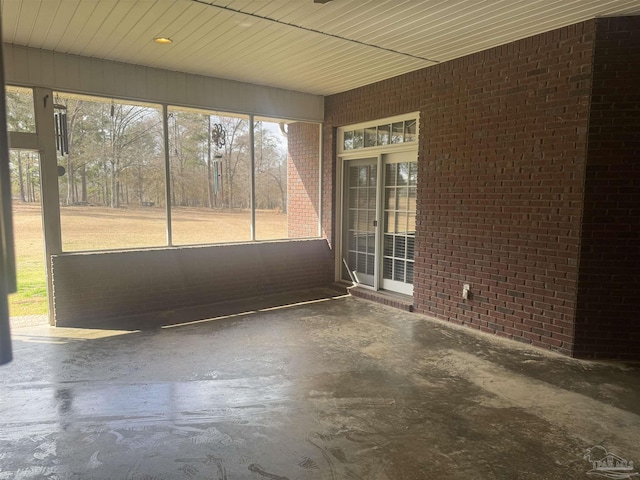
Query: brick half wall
point(98, 287)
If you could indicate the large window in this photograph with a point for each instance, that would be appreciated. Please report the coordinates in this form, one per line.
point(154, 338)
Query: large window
point(112, 191)
point(270, 140)
point(119, 188)
point(210, 158)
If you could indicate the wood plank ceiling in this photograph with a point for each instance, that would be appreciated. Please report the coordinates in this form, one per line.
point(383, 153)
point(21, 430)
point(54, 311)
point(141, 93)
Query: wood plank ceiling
point(293, 44)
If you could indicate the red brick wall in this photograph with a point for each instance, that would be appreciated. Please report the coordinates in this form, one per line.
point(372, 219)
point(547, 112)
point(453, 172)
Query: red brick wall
point(608, 317)
point(503, 136)
point(303, 179)
point(94, 287)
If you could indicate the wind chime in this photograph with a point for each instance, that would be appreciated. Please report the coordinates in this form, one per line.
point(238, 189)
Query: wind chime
point(60, 118)
point(219, 138)
point(61, 133)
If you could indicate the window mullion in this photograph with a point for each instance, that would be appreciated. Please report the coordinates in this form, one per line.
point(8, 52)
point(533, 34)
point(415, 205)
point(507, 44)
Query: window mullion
point(167, 172)
point(253, 177)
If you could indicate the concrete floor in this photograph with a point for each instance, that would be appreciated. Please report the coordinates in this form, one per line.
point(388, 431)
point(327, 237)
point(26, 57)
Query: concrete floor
point(336, 389)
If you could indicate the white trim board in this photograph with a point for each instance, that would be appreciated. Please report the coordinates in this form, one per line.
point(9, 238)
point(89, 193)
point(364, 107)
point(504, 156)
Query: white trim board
point(32, 67)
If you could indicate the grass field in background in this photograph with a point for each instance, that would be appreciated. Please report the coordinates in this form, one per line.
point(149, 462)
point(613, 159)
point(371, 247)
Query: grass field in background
point(100, 228)
point(31, 298)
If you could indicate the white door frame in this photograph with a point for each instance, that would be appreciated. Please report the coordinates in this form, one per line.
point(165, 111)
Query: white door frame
point(343, 160)
point(375, 140)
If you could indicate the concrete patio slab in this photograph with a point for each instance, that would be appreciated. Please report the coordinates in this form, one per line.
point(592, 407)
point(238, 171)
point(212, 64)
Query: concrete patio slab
point(335, 388)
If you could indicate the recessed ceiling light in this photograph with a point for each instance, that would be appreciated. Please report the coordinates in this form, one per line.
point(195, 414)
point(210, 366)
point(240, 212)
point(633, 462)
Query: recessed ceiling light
point(163, 40)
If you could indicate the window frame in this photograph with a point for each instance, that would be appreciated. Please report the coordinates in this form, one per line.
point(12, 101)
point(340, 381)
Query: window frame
point(165, 107)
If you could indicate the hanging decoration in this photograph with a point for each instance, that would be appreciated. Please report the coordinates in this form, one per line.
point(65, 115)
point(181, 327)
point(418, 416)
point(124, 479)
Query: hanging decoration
point(60, 118)
point(217, 174)
point(218, 135)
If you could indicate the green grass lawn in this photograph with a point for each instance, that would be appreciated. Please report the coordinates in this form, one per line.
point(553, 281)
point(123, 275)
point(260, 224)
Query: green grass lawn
point(31, 297)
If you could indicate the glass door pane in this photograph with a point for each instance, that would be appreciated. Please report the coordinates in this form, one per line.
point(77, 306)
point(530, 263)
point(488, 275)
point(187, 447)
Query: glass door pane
point(400, 181)
point(359, 242)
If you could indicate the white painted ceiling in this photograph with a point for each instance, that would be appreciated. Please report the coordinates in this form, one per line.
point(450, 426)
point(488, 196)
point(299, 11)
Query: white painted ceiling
point(292, 44)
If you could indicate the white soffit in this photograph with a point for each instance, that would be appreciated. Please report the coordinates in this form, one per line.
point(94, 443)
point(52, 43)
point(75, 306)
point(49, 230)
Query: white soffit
point(291, 44)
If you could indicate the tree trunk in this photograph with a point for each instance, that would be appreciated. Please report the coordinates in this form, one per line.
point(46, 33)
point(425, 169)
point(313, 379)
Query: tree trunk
point(140, 185)
point(83, 184)
point(71, 198)
point(114, 185)
point(106, 200)
point(210, 183)
point(209, 175)
point(27, 178)
point(20, 177)
point(83, 177)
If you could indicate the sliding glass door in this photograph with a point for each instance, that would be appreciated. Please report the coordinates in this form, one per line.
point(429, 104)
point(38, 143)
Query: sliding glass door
point(379, 211)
